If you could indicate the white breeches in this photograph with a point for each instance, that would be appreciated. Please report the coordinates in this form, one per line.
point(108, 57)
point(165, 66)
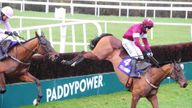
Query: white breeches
point(133, 50)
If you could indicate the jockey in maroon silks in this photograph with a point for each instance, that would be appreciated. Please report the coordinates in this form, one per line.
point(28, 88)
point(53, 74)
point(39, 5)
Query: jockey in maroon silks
point(131, 43)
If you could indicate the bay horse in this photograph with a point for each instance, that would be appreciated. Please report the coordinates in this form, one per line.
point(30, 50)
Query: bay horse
point(18, 62)
point(107, 47)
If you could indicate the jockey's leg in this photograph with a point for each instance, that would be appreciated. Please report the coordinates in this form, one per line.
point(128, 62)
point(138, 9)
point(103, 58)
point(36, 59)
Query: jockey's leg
point(2, 55)
point(131, 49)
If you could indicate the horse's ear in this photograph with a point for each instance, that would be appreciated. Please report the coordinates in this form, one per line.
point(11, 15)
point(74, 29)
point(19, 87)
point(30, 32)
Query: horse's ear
point(36, 34)
point(42, 34)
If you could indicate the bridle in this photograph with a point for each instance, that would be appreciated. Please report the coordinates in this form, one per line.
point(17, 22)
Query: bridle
point(40, 44)
point(174, 68)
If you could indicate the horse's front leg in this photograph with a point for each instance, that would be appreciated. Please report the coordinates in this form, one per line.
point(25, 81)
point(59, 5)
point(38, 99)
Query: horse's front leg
point(135, 99)
point(30, 78)
point(153, 100)
point(2, 83)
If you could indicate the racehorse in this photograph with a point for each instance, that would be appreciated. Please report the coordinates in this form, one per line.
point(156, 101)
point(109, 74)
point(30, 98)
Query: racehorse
point(18, 62)
point(107, 47)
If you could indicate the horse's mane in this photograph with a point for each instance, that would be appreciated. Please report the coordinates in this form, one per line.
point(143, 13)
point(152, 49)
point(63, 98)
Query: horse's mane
point(28, 40)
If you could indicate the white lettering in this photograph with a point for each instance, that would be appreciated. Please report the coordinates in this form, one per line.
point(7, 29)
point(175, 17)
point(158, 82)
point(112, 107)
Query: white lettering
point(100, 81)
point(89, 83)
point(59, 92)
point(71, 87)
point(96, 82)
point(48, 94)
point(82, 85)
point(66, 90)
point(54, 96)
point(76, 86)
point(62, 91)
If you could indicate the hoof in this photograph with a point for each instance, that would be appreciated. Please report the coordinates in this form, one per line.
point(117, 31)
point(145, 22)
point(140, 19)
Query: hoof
point(35, 102)
point(3, 91)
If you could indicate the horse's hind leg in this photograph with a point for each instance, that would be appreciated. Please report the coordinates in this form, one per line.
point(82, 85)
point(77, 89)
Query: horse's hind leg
point(80, 57)
point(154, 101)
point(2, 83)
point(30, 78)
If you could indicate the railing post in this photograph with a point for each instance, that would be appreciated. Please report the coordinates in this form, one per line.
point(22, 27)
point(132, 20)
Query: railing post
point(96, 8)
point(171, 12)
point(50, 36)
point(72, 8)
point(154, 13)
point(191, 31)
point(47, 7)
point(85, 37)
point(20, 22)
point(186, 14)
point(152, 33)
point(73, 37)
point(63, 31)
point(145, 10)
point(127, 12)
point(120, 4)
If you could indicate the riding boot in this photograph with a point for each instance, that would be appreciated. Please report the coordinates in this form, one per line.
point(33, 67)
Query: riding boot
point(74, 61)
point(2, 56)
point(133, 73)
point(80, 59)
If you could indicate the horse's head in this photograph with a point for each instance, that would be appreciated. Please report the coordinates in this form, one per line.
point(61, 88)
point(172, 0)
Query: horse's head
point(178, 75)
point(45, 47)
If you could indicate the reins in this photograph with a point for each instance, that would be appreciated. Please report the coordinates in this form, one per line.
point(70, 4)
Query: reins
point(33, 52)
point(154, 86)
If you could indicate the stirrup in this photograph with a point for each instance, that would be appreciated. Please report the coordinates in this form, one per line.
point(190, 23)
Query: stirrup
point(4, 57)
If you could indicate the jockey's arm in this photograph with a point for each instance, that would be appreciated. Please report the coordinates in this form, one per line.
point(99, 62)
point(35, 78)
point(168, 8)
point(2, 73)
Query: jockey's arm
point(136, 39)
point(145, 42)
point(8, 26)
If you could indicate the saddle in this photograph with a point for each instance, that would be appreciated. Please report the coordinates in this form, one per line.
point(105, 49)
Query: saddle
point(125, 67)
point(5, 46)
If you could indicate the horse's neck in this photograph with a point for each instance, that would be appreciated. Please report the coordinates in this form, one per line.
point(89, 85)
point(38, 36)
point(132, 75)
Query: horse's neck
point(26, 50)
point(156, 75)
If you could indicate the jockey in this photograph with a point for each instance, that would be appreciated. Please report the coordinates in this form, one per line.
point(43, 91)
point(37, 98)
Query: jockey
point(131, 43)
point(6, 13)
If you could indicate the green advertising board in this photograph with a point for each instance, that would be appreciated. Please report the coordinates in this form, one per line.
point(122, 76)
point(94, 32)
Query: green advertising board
point(66, 88)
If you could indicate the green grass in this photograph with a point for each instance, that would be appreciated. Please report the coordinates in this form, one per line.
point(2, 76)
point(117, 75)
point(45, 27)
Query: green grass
point(169, 96)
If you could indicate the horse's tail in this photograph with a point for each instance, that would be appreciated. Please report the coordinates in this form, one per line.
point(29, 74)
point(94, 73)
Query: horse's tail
point(94, 41)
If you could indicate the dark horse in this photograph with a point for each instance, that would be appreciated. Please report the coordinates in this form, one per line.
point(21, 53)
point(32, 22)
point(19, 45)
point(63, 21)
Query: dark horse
point(107, 47)
point(19, 61)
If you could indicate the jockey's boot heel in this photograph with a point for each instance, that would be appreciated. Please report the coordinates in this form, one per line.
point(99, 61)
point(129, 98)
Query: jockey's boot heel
point(3, 57)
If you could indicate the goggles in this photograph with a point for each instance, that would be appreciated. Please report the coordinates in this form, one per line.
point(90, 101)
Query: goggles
point(149, 27)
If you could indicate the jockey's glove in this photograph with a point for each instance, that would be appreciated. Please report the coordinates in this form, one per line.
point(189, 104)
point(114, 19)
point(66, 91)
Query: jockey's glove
point(9, 33)
point(148, 53)
point(15, 33)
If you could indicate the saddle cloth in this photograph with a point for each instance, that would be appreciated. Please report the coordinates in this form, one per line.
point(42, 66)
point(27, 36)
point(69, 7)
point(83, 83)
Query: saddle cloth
point(6, 45)
point(125, 66)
